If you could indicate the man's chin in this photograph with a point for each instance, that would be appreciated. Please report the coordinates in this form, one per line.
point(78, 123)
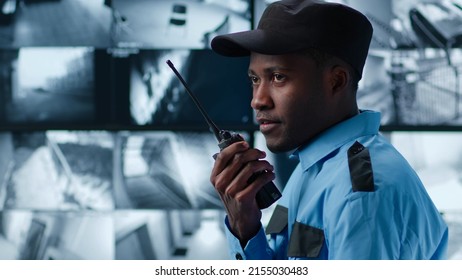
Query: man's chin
point(280, 144)
point(277, 147)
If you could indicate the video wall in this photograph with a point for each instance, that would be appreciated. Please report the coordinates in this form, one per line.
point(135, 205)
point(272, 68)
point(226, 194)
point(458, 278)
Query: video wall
point(105, 156)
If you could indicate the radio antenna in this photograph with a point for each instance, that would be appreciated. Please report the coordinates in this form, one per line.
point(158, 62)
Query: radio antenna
point(209, 121)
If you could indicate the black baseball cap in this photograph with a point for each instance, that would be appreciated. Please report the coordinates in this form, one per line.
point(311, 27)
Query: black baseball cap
point(294, 25)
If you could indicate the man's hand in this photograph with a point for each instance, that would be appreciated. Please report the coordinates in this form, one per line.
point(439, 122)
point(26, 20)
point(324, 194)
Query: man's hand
point(230, 175)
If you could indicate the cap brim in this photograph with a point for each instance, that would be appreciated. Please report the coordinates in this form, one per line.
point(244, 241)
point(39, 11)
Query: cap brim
point(259, 41)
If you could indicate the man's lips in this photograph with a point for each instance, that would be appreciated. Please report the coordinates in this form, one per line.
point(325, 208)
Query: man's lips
point(266, 125)
point(265, 121)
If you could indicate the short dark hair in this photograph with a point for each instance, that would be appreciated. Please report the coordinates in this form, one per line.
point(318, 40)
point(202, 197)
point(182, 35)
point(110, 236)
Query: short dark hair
point(322, 59)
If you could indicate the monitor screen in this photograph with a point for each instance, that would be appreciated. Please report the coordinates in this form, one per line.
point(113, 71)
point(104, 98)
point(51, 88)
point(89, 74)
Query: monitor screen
point(165, 24)
point(45, 235)
point(166, 170)
point(51, 23)
point(158, 99)
point(46, 87)
point(412, 74)
point(170, 235)
point(57, 170)
point(413, 90)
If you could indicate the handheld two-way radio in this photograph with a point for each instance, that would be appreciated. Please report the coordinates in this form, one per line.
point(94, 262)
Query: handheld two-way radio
point(269, 193)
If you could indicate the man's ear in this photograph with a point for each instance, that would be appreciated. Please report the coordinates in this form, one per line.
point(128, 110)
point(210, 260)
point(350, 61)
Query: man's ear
point(339, 79)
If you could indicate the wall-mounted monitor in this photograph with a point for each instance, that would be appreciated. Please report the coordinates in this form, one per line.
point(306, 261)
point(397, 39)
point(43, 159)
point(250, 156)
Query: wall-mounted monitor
point(413, 89)
point(29, 235)
point(165, 24)
point(165, 170)
point(33, 23)
point(50, 87)
point(57, 170)
point(170, 235)
point(413, 71)
point(158, 99)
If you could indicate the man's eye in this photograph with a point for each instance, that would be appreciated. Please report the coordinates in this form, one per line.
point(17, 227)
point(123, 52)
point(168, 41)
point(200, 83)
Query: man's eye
point(253, 80)
point(278, 77)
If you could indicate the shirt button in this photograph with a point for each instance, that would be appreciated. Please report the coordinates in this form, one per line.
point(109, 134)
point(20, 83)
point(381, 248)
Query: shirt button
point(238, 256)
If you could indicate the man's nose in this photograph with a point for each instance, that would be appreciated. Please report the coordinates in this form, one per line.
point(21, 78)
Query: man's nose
point(261, 98)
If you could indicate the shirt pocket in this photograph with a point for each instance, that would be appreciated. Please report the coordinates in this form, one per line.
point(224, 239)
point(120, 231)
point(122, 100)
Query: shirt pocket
point(305, 241)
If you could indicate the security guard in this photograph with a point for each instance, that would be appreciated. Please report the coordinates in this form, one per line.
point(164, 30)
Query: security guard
point(359, 200)
point(352, 195)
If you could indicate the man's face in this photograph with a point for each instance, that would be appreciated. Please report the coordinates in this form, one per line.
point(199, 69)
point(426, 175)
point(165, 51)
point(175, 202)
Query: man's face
point(288, 98)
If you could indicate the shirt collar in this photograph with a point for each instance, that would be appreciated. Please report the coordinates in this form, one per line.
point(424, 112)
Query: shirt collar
point(362, 124)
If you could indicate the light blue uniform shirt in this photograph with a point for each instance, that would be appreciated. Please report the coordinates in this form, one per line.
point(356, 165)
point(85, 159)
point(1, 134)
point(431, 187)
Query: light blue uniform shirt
point(352, 196)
